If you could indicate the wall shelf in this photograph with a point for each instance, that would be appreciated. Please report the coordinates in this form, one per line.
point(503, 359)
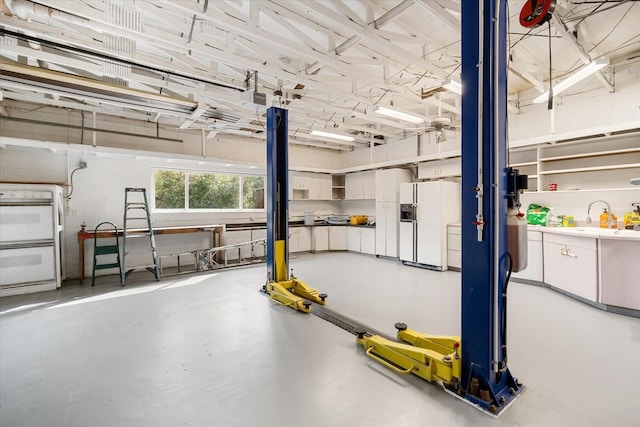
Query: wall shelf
point(590, 169)
point(593, 154)
point(589, 164)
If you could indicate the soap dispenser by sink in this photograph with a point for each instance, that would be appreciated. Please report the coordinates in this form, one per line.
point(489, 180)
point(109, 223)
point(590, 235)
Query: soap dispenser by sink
point(632, 219)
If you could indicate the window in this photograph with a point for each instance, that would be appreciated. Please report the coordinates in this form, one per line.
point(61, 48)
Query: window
point(195, 190)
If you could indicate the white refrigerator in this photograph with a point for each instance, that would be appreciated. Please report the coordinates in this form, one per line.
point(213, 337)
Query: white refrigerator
point(425, 210)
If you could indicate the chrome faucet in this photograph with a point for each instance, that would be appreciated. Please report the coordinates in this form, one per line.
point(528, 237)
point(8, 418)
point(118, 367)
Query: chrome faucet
point(610, 222)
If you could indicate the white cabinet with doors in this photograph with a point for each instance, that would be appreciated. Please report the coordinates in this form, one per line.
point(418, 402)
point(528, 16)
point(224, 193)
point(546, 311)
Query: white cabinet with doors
point(387, 209)
point(299, 239)
point(353, 184)
point(337, 238)
point(361, 239)
point(534, 258)
point(387, 217)
point(319, 239)
point(388, 183)
point(454, 245)
point(571, 264)
point(619, 272)
point(360, 185)
point(440, 169)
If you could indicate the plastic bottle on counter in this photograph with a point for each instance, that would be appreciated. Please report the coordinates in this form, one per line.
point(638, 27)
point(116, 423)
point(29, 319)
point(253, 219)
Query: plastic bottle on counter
point(604, 219)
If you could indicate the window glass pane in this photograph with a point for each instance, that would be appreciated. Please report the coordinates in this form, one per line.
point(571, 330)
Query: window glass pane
point(169, 187)
point(209, 191)
point(252, 192)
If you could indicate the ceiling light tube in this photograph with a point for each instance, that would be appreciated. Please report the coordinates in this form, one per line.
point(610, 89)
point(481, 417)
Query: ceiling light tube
point(453, 86)
point(333, 135)
point(576, 77)
point(400, 115)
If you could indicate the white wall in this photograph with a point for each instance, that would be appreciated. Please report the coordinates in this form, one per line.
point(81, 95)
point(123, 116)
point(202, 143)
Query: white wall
point(98, 195)
point(575, 203)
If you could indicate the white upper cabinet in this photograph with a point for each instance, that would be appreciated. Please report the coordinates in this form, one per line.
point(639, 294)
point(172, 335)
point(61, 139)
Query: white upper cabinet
point(360, 185)
point(388, 183)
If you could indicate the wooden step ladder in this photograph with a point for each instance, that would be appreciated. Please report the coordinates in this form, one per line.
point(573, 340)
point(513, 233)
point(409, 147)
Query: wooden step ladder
point(105, 250)
point(139, 209)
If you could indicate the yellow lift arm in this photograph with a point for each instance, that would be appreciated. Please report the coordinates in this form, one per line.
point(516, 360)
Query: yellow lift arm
point(291, 291)
point(431, 357)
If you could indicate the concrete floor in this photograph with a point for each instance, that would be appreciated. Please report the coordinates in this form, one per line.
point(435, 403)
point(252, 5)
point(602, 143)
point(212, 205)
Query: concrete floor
point(210, 350)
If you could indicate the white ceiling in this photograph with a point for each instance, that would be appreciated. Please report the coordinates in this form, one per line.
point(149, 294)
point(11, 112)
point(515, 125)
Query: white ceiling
point(190, 63)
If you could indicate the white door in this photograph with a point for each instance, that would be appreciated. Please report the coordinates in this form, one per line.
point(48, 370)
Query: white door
point(381, 233)
point(391, 229)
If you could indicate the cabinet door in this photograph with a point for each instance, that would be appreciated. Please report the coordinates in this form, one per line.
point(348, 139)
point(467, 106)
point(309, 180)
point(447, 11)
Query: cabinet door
point(368, 241)
point(428, 170)
point(391, 230)
point(338, 238)
point(299, 181)
point(325, 187)
point(259, 248)
point(313, 184)
point(294, 240)
point(235, 237)
point(353, 186)
point(620, 272)
point(304, 239)
point(570, 264)
point(320, 241)
point(368, 185)
point(381, 229)
point(534, 258)
point(449, 167)
point(353, 239)
point(381, 186)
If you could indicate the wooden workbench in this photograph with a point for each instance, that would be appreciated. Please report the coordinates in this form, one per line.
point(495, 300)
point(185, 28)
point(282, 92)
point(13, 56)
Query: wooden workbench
point(216, 237)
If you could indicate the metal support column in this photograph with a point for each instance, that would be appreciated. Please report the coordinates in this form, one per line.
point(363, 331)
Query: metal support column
point(486, 380)
point(280, 286)
point(277, 193)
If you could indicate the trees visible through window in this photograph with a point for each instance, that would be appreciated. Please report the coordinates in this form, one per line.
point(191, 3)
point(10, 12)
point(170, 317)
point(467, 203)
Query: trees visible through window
point(203, 190)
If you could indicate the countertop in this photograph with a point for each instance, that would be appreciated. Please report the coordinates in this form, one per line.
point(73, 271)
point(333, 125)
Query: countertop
point(594, 232)
point(262, 225)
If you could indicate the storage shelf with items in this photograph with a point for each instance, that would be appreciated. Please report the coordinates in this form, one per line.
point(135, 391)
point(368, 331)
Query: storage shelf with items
point(577, 165)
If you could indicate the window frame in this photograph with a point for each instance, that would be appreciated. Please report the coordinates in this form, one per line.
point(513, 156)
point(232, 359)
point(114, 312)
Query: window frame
point(187, 209)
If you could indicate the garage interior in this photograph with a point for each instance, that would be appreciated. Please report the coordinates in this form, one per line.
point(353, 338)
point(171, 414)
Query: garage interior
point(173, 96)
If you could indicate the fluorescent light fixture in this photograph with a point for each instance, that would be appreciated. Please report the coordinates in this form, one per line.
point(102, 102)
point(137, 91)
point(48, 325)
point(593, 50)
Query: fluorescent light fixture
point(332, 135)
point(576, 77)
point(400, 115)
point(635, 181)
point(453, 86)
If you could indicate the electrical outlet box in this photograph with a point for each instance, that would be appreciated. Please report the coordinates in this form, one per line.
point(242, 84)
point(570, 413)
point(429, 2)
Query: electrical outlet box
point(82, 165)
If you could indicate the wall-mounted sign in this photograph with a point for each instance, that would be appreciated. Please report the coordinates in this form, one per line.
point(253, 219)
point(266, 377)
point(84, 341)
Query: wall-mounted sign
point(536, 12)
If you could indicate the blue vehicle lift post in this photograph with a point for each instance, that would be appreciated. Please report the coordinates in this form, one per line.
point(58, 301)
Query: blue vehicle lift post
point(281, 286)
point(484, 206)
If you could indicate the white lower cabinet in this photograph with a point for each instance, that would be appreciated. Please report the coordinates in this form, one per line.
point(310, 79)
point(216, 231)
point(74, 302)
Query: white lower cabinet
point(320, 239)
point(387, 218)
point(299, 239)
point(619, 273)
point(454, 246)
point(571, 264)
point(361, 239)
point(534, 258)
point(235, 237)
point(329, 238)
point(337, 238)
